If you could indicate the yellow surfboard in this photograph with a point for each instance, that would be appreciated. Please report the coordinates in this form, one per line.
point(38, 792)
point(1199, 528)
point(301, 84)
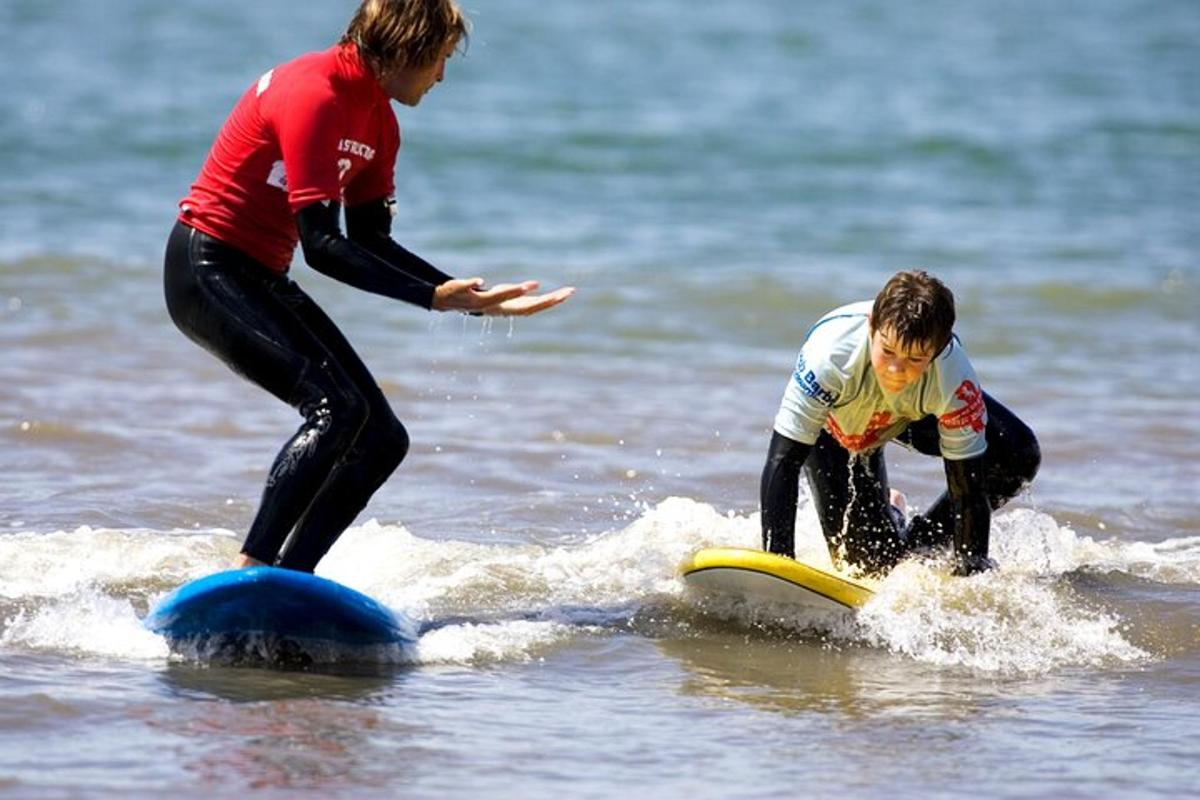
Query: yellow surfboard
point(755, 574)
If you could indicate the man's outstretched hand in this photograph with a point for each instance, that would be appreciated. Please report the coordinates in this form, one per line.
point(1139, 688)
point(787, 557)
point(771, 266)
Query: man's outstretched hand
point(503, 300)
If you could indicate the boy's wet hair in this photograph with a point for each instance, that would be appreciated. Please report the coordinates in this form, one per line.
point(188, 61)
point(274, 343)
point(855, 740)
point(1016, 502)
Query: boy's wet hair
point(917, 308)
point(405, 33)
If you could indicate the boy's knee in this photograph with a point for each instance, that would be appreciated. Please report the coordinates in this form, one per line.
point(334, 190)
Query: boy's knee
point(1030, 459)
point(1024, 454)
point(1014, 469)
point(398, 439)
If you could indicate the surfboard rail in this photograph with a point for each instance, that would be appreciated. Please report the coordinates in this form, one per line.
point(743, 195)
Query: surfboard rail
point(755, 573)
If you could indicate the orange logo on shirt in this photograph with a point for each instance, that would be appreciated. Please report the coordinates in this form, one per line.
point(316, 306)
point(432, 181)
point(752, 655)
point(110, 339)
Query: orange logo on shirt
point(856, 442)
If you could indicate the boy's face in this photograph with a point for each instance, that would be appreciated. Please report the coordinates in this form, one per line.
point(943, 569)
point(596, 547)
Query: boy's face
point(896, 367)
point(408, 85)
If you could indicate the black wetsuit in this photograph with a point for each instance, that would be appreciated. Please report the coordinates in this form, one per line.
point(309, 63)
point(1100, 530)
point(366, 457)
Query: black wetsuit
point(851, 493)
point(269, 331)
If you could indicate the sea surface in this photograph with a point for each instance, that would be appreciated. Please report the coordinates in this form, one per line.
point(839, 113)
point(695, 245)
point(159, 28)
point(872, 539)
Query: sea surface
point(712, 177)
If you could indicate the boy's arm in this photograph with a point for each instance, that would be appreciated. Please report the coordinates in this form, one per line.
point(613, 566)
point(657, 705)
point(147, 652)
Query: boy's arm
point(972, 514)
point(780, 485)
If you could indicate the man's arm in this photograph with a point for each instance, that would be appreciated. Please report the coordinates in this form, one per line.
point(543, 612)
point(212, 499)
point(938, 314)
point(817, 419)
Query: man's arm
point(370, 225)
point(778, 491)
point(409, 278)
point(972, 514)
point(330, 253)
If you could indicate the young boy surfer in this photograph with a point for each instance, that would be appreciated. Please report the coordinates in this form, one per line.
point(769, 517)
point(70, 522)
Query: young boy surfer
point(872, 372)
point(308, 137)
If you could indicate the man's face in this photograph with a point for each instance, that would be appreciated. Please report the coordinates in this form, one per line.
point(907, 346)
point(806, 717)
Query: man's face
point(896, 367)
point(408, 85)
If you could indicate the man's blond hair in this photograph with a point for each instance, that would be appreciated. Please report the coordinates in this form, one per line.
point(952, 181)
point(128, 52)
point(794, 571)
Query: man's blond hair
point(405, 33)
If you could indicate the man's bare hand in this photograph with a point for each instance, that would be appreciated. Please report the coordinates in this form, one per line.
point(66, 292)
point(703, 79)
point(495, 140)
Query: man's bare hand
point(504, 299)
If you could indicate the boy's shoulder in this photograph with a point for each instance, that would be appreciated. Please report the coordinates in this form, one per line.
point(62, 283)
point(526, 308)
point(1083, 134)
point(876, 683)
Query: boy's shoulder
point(841, 320)
point(850, 313)
point(953, 356)
point(839, 335)
point(829, 366)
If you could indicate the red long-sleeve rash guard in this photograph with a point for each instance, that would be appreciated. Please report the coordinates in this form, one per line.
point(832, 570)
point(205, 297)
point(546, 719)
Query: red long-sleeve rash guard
point(316, 128)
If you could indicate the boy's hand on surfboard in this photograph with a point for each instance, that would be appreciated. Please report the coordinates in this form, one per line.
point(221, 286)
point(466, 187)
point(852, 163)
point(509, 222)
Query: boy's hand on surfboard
point(505, 299)
point(971, 564)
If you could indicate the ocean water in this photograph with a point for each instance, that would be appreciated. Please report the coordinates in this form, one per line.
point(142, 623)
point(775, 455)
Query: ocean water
point(712, 177)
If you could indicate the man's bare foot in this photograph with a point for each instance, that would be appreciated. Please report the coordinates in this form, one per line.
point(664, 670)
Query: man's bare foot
point(898, 501)
point(242, 561)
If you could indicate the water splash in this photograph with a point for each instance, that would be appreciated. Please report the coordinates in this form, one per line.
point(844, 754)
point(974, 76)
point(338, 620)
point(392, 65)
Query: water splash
point(997, 622)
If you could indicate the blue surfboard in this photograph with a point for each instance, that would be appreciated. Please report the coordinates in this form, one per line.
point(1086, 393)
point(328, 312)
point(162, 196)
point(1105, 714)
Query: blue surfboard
point(275, 602)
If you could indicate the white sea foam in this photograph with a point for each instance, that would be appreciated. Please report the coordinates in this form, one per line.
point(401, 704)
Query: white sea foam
point(75, 591)
point(471, 643)
point(86, 622)
point(84, 590)
point(1017, 618)
point(43, 565)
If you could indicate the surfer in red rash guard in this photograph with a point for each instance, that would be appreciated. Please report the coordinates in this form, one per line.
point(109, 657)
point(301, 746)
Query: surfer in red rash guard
point(307, 138)
point(869, 373)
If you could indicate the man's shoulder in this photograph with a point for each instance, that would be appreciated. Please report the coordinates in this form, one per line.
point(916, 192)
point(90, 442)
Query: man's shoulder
point(311, 76)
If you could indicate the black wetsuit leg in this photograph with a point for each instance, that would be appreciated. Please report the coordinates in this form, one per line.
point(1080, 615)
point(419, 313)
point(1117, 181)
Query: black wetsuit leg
point(1010, 463)
point(268, 330)
point(851, 496)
